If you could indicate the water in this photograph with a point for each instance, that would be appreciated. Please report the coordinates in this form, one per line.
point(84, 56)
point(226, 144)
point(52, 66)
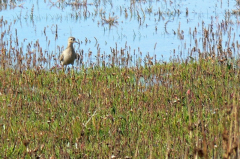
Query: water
point(155, 28)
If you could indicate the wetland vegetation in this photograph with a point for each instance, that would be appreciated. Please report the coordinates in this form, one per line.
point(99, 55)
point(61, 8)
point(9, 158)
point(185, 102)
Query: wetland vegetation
point(119, 102)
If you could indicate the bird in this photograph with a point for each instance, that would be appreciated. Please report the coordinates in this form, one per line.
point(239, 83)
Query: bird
point(69, 55)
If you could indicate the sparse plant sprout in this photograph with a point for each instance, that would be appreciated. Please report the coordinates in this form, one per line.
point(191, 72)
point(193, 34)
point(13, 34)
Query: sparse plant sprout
point(111, 20)
point(236, 11)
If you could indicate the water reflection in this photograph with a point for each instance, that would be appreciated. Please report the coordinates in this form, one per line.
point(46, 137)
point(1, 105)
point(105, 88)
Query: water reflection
point(37, 30)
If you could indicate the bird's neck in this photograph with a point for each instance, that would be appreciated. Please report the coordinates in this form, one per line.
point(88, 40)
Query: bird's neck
point(70, 45)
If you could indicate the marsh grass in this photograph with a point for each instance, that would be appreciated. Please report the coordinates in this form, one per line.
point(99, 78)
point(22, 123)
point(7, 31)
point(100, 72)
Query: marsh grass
point(120, 104)
point(179, 109)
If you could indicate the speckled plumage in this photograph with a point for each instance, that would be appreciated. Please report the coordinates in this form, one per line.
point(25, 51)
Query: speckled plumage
point(69, 55)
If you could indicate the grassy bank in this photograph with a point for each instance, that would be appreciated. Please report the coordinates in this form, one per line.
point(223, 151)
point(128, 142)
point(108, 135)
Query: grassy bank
point(166, 110)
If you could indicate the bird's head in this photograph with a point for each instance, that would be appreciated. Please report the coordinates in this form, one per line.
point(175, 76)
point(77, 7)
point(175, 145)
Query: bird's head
point(72, 40)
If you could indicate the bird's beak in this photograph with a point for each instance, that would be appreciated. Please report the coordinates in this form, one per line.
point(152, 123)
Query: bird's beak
point(76, 42)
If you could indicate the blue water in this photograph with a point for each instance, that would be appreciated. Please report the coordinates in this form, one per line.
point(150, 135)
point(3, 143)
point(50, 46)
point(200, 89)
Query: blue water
point(150, 27)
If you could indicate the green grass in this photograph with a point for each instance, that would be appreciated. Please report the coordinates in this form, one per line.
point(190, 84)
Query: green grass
point(124, 105)
point(164, 110)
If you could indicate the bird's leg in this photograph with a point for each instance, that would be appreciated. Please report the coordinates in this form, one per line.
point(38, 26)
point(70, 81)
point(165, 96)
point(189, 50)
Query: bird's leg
point(63, 69)
point(68, 69)
point(72, 69)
